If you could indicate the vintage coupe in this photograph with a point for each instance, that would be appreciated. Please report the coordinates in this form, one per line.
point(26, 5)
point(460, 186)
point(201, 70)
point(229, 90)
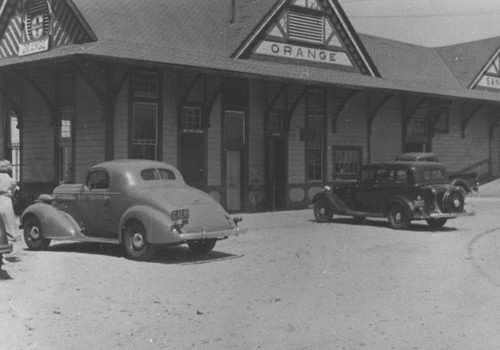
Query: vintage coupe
point(140, 204)
point(400, 191)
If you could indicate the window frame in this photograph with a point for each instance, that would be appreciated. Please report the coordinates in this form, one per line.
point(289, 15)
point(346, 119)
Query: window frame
point(346, 148)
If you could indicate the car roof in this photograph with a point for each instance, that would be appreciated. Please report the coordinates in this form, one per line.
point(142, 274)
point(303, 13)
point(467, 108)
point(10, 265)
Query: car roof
point(123, 164)
point(417, 156)
point(404, 164)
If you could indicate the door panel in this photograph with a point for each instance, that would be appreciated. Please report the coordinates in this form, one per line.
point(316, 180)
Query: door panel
point(233, 178)
point(192, 164)
point(277, 172)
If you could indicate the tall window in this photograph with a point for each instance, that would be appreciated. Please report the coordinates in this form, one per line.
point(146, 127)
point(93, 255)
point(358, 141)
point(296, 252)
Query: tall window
point(14, 146)
point(314, 153)
point(145, 130)
point(145, 121)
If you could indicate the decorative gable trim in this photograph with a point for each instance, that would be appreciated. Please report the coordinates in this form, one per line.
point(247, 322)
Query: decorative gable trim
point(315, 32)
point(489, 77)
point(32, 26)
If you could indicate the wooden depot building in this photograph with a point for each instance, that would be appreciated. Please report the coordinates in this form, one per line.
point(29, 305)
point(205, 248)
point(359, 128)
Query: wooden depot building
point(259, 103)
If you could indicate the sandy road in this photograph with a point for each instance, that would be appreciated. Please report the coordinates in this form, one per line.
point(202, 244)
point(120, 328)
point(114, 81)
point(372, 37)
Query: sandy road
point(289, 283)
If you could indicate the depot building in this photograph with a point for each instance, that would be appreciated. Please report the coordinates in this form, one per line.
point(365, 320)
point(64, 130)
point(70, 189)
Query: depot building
point(258, 103)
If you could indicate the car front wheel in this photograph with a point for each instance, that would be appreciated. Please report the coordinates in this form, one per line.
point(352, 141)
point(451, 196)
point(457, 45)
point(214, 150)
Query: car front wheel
point(398, 217)
point(136, 243)
point(33, 235)
point(202, 247)
point(323, 211)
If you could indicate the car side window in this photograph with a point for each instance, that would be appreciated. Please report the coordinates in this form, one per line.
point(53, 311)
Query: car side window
point(98, 180)
point(368, 176)
point(383, 176)
point(401, 176)
point(157, 174)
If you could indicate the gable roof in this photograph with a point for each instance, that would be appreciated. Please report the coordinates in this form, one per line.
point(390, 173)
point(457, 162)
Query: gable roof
point(205, 34)
point(467, 60)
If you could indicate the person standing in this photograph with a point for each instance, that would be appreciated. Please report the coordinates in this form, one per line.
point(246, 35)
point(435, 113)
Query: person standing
point(7, 189)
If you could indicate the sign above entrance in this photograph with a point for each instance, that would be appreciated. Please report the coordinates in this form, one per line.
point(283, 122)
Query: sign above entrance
point(35, 46)
point(303, 53)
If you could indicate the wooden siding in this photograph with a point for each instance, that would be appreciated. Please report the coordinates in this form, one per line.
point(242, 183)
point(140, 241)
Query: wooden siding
point(170, 118)
point(352, 126)
point(458, 153)
point(89, 137)
point(387, 129)
point(121, 124)
point(214, 146)
point(256, 135)
point(37, 140)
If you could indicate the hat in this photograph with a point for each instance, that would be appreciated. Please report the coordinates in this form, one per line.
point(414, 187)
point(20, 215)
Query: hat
point(5, 166)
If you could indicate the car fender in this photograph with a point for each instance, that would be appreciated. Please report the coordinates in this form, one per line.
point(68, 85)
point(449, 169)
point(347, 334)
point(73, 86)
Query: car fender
point(402, 201)
point(338, 205)
point(56, 224)
point(461, 183)
point(156, 223)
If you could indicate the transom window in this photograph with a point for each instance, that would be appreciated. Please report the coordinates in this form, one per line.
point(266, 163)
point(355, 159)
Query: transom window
point(191, 120)
point(145, 84)
point(275, 124)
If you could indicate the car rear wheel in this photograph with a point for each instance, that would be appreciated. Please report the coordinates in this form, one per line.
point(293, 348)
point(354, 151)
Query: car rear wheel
point(136, 243)
point(323, 211)
point(398, 217)
point(202, 247)
point(33, 235)
point(436, 223)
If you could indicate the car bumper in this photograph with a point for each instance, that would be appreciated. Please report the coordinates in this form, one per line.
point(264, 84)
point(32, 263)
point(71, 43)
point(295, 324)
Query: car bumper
point(196, 236)
point(447, 215)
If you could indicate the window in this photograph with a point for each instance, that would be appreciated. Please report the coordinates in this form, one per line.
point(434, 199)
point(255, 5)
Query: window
point(417, 127)
point(145, 130)
point(157, 174)
point(15, 146)
point(314, 164)
point(145, 84)
point(98, 180)
point(191, 120)
point(145, 95)
point(314, 147)
point(346, 162)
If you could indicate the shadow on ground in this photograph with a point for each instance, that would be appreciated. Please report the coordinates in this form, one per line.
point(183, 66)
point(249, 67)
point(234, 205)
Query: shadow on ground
point(164, 255)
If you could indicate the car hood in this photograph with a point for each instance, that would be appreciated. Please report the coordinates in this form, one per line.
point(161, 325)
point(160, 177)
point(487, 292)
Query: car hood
point(205, 213)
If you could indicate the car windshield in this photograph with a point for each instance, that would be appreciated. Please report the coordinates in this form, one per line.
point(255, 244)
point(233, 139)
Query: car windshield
point(157, 174)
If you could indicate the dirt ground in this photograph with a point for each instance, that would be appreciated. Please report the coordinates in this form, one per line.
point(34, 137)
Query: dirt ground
point(288, 283)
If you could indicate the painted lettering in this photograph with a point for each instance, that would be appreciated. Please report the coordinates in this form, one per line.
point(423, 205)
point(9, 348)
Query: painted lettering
point(311, 53)
point(306, 53)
